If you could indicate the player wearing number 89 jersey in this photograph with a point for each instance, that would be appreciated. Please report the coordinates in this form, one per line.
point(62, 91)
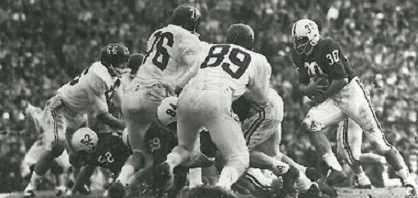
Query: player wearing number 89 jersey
point(345, 97)
point(226, 72)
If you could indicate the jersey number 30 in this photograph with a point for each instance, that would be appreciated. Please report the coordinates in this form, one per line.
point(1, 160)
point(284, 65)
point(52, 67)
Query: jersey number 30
point(238, 57)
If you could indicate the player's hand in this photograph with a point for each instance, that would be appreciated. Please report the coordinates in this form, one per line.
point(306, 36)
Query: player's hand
point(313, 89)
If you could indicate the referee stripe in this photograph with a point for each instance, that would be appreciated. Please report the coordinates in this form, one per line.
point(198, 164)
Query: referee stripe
point(254, 126)
point(346, 143)
point(374, 115)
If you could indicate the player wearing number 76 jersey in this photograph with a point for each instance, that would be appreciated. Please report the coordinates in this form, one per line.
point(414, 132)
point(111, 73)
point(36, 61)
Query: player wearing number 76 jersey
point(226, 72)
point(171, 51)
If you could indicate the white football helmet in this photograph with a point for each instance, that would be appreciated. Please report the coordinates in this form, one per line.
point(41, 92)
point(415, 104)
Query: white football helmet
point(167, 111)
point(84, 139)
point(306, 35)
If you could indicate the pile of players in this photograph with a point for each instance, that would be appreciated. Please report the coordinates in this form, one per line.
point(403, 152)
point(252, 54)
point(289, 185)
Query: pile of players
point(187, 104)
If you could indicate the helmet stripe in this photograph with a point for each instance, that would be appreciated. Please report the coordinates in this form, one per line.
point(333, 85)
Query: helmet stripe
point(294, 29)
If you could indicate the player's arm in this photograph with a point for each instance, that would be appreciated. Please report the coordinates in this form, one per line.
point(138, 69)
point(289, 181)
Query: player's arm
point(97, 98)
point(188, 51)
point(84, 175)
point(259, 83)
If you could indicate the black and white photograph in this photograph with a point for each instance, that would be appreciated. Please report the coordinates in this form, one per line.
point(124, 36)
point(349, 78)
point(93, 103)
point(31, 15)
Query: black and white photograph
point(208, 98)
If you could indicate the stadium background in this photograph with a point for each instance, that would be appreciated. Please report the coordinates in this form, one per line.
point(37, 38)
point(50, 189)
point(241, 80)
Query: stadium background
point(44, 43)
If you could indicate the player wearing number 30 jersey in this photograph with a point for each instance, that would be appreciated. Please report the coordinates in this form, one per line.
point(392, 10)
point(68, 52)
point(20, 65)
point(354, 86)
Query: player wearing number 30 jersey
point(345, 97)
point(170, 54)
point(226, 72)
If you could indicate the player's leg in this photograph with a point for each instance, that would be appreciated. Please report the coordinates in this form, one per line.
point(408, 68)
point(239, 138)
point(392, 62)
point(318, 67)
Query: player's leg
point(349, 145)
point(139, 107)
point(357, 105)
point(54, 146)
point(316, 121)
point(188, 127)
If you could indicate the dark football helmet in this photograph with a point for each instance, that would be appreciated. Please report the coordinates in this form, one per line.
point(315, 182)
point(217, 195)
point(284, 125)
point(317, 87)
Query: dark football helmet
point(114, 55)
point(135, 61)
point(242, 35)
point(187, 17)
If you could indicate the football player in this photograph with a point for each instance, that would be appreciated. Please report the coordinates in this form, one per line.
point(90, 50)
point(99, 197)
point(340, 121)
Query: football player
point(227, 71)
point(67, 111)
point(263, 132)
point(344, 97)
point(61, 165)
point(111, 153)
point(166, 67)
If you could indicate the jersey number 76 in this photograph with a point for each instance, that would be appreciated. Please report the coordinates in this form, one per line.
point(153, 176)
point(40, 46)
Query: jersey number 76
point(160, 52)
point(239, 58)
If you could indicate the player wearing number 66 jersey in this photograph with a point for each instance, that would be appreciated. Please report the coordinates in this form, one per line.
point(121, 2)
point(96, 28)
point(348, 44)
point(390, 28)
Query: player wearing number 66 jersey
point(171, 52)
point(67, 111)
point(226, 72)
point(344, 97)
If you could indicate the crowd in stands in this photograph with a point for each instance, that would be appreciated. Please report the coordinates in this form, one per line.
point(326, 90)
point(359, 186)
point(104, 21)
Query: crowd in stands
point(43, 44)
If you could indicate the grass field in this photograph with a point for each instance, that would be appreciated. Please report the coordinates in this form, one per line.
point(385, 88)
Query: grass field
point(343, 193)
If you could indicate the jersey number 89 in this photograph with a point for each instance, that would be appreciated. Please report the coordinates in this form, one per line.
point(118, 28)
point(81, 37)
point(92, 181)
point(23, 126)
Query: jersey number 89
point(237, 57)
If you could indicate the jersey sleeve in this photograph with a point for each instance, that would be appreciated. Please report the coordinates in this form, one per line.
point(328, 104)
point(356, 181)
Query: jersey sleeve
point(332, 61)
point(303, 72)
point(260, 81)
point(96, 93)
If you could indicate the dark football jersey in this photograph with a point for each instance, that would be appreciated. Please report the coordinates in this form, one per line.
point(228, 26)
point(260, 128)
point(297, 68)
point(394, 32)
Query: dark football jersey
point(111, 152)
point(160, 141)
point(326, 60)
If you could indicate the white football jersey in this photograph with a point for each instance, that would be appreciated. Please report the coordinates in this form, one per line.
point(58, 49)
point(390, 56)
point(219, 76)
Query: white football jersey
point(242, 70)
point(171, 52)
point(87, 92)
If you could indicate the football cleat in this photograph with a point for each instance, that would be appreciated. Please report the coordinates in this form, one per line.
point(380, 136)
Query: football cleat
point(163, 177)
point(361, 181)
point(313, 192)
point(29, 193)
point(60, 190)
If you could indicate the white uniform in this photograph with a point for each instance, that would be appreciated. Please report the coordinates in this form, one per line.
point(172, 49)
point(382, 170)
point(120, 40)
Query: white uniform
point(171, 53)
point(67, 110)
point(227, 72)
point(38, 147)
point(262, 125)
point(349, 140)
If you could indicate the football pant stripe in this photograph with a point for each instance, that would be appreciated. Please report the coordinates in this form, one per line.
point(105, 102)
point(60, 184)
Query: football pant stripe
point(54, 117)
point(257, 183)
point(366, 95)
point(254, 126)
point(346, 144)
